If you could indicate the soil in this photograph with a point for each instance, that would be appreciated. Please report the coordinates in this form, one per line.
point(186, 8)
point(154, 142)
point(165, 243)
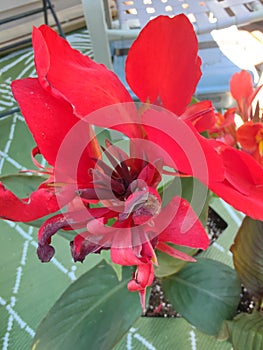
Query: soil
point(159, 305)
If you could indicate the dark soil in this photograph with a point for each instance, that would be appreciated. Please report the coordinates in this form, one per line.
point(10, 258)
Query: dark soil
point(215, 225)
point(159, 306)
point(246, 303)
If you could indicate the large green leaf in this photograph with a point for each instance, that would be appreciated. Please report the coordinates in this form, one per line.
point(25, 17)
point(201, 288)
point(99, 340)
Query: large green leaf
point(205, 293)
point(93, 313)
point(246, 331)
point(106, 255)
point(155, 333)
point(22, 185)
point(29, 288)
point(248, 255)
point(168, 265)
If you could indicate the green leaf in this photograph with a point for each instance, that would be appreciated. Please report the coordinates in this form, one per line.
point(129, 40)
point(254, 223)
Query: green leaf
point(205, 293)
point(168, 333)
point(246, 331)
point(248, 255)
point(39, 285)
point(192, 190)
point(168, 265)
point(93, 313)
point(22, 185)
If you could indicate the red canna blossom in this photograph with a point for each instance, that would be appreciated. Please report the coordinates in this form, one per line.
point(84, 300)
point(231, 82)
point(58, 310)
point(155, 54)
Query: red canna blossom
point(56, 101)
point(115, 202)
point(126, 191)
point(249, 136)
point(224, 128)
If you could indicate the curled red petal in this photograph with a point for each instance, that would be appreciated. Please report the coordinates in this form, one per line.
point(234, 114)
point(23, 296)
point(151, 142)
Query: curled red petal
point(40, 203)
point(184, 228)
point(70, 221)
point(201, 115)
point(65, 72)
point(45, 251)
point(142, 278)
point(81, 247)
point(163, 66)
point(151, 174)
point(175, 253)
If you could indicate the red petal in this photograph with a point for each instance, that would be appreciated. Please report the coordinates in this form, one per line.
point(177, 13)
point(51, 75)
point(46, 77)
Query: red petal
point(150, 175)
point(241, 85)
point(165, 137)
point(243, 184)
point(142, 278)
point(174, 252)
point(201, 115)
point(81, 247)
point(124, 256)
point(50, 119)
point(250, 205)
point(130, 245)
point(45, 251)
point(66, 72)
point(237, 173)
point(184, 228)
point(246, 136)
point(181, 146)
point(224, 123)
point(163, 64)
point(40, 203)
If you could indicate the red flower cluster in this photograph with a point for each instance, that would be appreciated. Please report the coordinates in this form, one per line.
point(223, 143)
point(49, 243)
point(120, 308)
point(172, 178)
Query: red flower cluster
point(249, 136)
point(110, 195)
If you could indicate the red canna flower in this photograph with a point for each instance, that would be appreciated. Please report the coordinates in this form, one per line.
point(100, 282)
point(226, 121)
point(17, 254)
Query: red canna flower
point(56, 101)
point(115, 201)
point(126, 191)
